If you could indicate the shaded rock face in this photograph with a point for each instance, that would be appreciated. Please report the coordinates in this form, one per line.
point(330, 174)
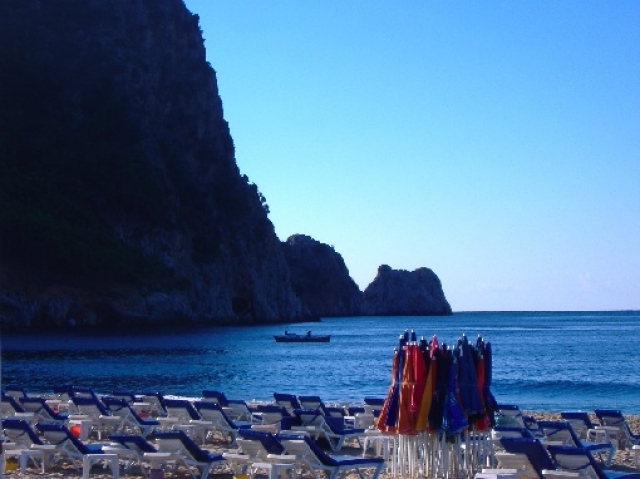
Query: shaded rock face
point(121, 198)
point(320, 278)
point(405, 293)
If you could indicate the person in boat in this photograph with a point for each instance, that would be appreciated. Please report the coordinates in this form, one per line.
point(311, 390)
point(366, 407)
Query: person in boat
point(308, 334)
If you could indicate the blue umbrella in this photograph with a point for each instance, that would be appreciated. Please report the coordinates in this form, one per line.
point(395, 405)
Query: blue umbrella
point(454, 419)
point(490, 403)
point(467, 379)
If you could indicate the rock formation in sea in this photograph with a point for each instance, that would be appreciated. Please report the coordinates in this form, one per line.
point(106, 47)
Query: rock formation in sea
point(405, 293)
point(320, 278)
point(121, 197)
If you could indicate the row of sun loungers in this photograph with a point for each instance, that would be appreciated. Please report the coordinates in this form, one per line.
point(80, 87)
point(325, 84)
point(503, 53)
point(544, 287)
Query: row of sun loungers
point(292, 434)
point(79, 427)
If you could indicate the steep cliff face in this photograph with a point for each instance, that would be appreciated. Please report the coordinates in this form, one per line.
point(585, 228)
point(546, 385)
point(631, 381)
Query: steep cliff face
point(120, 193)
point(401, 292)
point(320, 278)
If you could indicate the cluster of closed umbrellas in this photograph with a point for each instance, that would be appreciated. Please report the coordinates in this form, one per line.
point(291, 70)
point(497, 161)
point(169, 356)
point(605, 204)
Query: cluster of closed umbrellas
point(439, 404)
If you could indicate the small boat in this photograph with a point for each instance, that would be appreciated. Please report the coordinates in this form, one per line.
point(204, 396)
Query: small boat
point(302, 338)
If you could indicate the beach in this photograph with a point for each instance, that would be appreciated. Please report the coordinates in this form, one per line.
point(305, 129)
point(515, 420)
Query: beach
point(623, 460)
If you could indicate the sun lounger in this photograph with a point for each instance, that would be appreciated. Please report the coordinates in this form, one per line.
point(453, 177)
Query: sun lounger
point(187, 451)
point(580, 460)
point(15, 391)
point(312, 457)
point(289, 401)
point(262, 448)
point(130, 421)
point(236, 409)
point(82, 456)
point(524, 458)
point(508, 415)
point(138, 447)
point(561, 431)
point(331, 428)
point(580, 422)
point(9, 406)
point(42, 411)
point(102, 422)
point(219, 421)
point(614, 418)
point(154, 403)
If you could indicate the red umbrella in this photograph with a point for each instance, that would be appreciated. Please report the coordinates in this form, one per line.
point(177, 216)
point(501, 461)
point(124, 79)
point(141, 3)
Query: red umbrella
point(482, 422)
point(422, 423)
point(406, 423)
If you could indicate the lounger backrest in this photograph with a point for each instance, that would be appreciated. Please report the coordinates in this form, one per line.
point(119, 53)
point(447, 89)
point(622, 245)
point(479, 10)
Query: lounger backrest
point(290, 401)
point(91, 406)
point(15, 391)
point(181, 408)
point(508, 415)
point(310, 402)
point(269, 442)
point(579, 420)
point(532, 448)
point(10, 406)
point(304, 445)
point(19, 431)
point(576, 459)
point(610, 417)
point(210, 411)
point(58, 434)
point(559, 431)
point(215, 396)
point(171, 441)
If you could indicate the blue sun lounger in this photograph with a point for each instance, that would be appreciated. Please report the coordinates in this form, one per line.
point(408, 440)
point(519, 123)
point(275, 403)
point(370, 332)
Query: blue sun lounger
point(580, 460)
point(312, 457)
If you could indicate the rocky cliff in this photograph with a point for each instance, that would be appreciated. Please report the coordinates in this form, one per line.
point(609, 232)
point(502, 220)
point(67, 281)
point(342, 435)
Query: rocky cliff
point(121, 198)
point(405, 293)
point(320, 278)
point(121, 201)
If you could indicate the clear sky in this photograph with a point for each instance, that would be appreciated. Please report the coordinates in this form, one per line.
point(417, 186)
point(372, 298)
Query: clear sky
point(495, 142)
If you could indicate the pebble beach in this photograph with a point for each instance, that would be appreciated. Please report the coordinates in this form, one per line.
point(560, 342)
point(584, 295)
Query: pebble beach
point(624, 460)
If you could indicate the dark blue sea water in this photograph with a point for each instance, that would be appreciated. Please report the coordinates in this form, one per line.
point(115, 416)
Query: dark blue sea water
point(543, 361)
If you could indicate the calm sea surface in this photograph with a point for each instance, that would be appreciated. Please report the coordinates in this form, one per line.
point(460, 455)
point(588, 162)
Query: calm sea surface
point(544, 361)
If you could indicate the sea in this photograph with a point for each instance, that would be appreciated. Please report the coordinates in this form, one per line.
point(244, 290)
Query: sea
point(544, 361)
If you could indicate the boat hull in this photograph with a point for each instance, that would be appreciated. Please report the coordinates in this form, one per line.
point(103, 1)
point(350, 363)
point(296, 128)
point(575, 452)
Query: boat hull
point(293, 338)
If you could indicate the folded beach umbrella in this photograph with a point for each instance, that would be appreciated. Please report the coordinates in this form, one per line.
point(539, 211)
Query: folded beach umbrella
point(467, 379)
point(420, 378)
point(443, 358)
point(490, 403)
point(454, 419)
point(406, 423)
point(381, 423)
point(481, 422)
point(422, 423)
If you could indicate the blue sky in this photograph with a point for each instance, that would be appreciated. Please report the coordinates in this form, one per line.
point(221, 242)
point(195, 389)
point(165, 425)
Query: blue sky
point(495, 142)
